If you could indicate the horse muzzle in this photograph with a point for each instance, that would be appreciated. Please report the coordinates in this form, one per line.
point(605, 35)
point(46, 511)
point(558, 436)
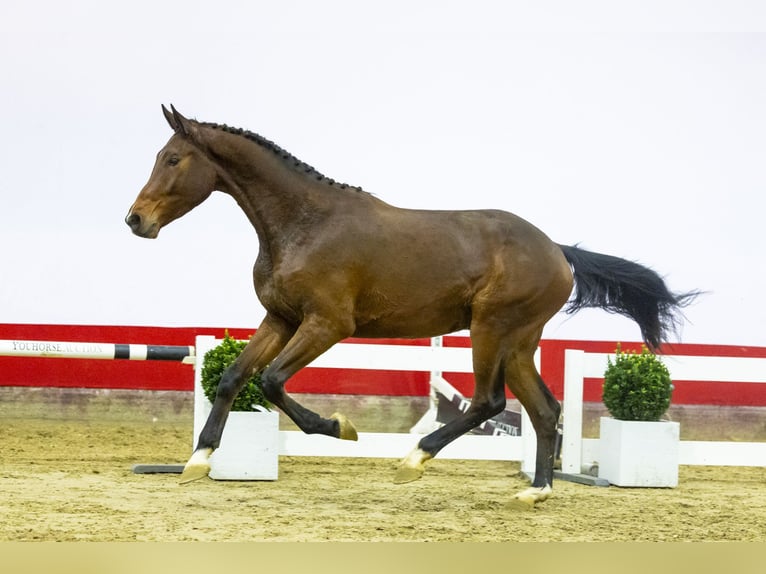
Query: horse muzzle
point(141, 227)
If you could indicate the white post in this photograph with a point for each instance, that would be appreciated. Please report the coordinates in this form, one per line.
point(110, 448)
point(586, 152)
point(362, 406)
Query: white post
point(574, 369)
point(427, 423)
point(436, 342)
point(528, 445)
point(202, 407)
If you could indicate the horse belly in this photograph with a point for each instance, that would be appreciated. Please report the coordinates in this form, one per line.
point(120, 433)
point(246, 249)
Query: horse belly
point(413, 322)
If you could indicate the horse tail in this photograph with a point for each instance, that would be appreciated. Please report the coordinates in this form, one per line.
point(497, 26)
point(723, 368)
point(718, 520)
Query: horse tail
point(626, 288)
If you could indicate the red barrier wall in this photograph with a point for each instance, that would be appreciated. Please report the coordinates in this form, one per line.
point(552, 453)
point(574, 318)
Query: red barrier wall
point(160, 375)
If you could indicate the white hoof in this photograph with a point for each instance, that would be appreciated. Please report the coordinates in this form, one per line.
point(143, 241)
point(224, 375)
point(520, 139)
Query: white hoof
point(526, 499)
point(412, 467)
point(197, 467)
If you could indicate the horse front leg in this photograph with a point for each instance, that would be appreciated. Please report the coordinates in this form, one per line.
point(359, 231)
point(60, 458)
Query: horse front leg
point(269, 339)
point(315, 335)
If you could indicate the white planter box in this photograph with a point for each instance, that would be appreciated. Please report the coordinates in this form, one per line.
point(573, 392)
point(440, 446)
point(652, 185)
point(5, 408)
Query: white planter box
point(637, 453)
point(249, 448)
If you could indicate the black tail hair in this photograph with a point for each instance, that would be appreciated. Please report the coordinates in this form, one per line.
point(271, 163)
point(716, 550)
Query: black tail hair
point(627, 288)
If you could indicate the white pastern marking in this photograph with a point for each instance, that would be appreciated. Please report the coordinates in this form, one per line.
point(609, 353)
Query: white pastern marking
point(416, 458)
point(536, 494)
point(200, 457)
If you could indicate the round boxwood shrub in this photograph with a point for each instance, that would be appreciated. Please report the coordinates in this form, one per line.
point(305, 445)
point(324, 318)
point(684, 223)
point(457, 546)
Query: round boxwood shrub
point(637, 387)
point(215, 363)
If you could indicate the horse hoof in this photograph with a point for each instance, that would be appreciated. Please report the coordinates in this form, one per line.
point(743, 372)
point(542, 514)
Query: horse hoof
point(521, 503)
point(526, 499)
point(412, 467)
point(197, 467)
point(347, 429)
point(405, 474)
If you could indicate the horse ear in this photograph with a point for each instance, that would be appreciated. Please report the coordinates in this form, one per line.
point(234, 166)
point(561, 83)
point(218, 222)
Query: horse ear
point(170, 119)
point(183, 126)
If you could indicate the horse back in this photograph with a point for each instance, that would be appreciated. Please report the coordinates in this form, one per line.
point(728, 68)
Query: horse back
point(410, 273)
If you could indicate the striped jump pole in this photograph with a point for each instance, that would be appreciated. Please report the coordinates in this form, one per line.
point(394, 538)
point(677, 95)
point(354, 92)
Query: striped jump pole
point(80, 350)
point(109, 351)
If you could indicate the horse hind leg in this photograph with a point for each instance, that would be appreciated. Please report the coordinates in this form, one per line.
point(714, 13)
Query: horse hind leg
point(488, 400)
point(543, 409)
point(483, 407)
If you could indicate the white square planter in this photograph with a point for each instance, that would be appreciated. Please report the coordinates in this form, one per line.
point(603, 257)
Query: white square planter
point(249, 448)
point(638, 453)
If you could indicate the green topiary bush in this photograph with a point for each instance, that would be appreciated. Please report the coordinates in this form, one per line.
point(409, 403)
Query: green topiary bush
point(215, 363)
point(637, 387)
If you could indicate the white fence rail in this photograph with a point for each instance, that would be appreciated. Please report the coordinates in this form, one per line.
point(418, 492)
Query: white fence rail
point(433, 359)
point(579, 365)
point(576, 451)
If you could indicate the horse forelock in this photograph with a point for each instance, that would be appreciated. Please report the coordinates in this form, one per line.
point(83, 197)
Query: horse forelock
point(288, 159)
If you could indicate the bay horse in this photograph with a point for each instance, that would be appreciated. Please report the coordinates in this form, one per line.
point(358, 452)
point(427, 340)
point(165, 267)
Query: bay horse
point(335, 261)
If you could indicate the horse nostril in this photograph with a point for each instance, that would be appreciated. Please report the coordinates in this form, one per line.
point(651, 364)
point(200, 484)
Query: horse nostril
point(133, 220)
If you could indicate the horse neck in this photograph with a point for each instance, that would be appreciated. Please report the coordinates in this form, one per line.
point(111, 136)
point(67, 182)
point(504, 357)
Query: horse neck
point(277, 199)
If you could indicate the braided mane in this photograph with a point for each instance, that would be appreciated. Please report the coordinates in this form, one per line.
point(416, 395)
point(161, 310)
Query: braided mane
point(289, 159)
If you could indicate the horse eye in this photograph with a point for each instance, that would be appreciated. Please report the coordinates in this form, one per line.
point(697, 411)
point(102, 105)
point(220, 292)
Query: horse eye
point(173, 160)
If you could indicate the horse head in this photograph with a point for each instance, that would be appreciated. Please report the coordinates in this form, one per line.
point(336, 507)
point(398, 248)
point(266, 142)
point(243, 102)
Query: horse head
point(182, 178)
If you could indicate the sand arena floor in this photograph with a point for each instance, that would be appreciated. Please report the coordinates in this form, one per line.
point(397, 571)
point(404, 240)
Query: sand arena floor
point(65, 475)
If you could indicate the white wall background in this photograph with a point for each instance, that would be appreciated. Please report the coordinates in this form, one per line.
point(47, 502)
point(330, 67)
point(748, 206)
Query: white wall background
point(637, 130)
